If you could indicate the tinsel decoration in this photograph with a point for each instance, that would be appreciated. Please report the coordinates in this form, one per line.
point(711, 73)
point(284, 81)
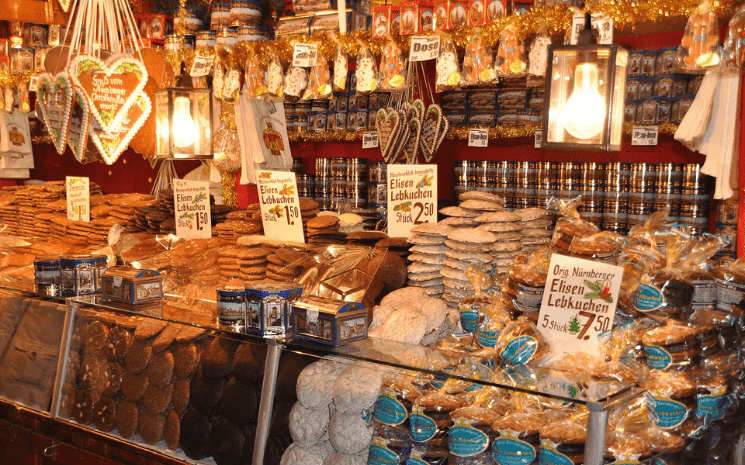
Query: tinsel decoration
point(227, 148)
point(229, 195)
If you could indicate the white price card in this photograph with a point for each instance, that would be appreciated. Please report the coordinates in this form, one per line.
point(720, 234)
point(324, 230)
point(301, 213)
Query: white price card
point(578, 23)
point(538, 138)
point(201, 66)
point(478, 137)
point(369, 140)
point(645, 135)
point(280, 206)
point(424, 48)
point(78, 198)
point(33, 83)
point(579, 303)
point(412, 197)
point(305, 55)
point(191, 201)
point(602, 26)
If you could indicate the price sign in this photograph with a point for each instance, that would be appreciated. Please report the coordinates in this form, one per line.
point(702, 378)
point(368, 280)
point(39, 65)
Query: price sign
point(191, 200)
point(538, 138)
point(305, 55)
point(424, 48)
point(578, 23)
point(202, 66)
point(78, 199)
point(33, 83)
point(280, 206)
point(645, 135)
point(602, 26)
point(478, 137)
point(369, 140)
point(412, 197)
point(579, 303)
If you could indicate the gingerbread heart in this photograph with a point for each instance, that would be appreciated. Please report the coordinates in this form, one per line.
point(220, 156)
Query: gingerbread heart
point(54, 100)
point(444, 127)
point(419, 107)
point(110, 146)
point(431, 127)
point(412, 143)
point(402, 137)
point(111, 89)
point(388, 126)
point(80, 119)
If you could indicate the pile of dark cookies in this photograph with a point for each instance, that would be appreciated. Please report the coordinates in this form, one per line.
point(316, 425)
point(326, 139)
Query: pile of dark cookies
point(324, 230)
point(160, 218)
point(240, 223)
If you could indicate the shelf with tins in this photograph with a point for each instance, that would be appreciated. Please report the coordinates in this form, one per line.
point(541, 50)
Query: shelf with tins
point(160, 364)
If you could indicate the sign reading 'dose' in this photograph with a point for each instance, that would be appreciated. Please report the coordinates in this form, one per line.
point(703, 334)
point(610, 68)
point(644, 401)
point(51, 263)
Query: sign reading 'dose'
point(280, 206)
point(191, 201)
point(424, 48)
point(412, 197)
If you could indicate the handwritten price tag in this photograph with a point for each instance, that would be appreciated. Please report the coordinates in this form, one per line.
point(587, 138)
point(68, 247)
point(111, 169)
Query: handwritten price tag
point(412, 197)
point(579, 302)
point(191, 201)
point(280, 206)
point(78, 199)
point(202, 66)
point(424, 48)
point(305, 55)
point(538, 138)
point(602, 25)
point(33, 83)
point(645, 135)
point(369, 140)
point(478, 137)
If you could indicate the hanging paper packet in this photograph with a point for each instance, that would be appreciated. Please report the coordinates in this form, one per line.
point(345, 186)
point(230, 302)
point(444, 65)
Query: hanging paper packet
point(320, 85)
point(698, 49)
point(478, 63)
point(447, 71)
point(538, 58)
point(275, 77)
point(392, 68)
point(734, 44)
point(510, 54)
point(231, 89)
point(218, 79)
point(341, 68)
point(366, 73)
point(256, 84)
point(296, 81)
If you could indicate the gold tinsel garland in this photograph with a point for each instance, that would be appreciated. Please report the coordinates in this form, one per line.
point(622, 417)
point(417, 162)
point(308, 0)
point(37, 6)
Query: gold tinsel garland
point(499, 132)
point(229, 194)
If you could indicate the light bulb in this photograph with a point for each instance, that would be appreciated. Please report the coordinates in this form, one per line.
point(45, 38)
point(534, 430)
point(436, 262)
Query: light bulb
point(584, 112)
point(184, 129)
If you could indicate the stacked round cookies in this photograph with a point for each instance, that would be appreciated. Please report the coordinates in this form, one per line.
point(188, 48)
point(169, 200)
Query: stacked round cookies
point(239, 223)
point(466, 247)
point(324, 229)
point(426, 257)
point(537, 227)
point(506, 228)
point(282, 264)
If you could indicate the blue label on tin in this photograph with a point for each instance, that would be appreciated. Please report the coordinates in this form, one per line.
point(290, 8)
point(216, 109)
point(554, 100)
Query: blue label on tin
point(547, 455)
point(415, 461)
point(666, 413)
point(712, 405)
point(647, 298)
point(486, 338)
point(657, 357)
point(423, 428)
point(512, 452)
point(381, 455)
point(469, 318)
point(466, 441)
point(519, 350)
point(389, 411)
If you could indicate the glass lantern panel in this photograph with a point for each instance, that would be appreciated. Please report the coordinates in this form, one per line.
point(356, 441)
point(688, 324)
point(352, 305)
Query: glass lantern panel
point(619, 93)
point(161, 124)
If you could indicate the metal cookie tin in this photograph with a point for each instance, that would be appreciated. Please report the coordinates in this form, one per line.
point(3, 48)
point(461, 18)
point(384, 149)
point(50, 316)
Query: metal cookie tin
point(329, 321)
point(81, 274)
point(231, 308)
point(132, 286)
point(47, 276)
point(268, 307)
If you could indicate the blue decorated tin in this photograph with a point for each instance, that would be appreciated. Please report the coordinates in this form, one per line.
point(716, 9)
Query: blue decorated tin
point(231, 308)
point(81, 274)
point(329, 321)
point(268, 307)
point(47, 278)
point(131, 285)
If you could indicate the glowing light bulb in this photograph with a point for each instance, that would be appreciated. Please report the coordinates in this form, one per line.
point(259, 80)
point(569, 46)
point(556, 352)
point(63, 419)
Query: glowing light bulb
point(584, 112)
point(184, 129)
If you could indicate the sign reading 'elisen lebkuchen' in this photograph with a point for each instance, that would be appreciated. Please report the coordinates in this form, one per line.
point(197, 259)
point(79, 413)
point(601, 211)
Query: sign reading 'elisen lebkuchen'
point(280, 206)
point(412, 197)
point(191, 200)
point(579, 303)
point(78, 198)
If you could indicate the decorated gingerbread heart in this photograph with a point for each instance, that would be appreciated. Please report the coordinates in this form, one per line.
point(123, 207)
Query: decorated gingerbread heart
point(411, 149)
point(80, 119)
point(397, 145)
point(387, 124)
point(54, 100)
point(111, 89)
point(431, 128)
point(111, 146)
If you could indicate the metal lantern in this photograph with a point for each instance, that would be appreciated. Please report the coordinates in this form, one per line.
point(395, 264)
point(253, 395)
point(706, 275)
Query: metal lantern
point(585, 91)
point(183, 121)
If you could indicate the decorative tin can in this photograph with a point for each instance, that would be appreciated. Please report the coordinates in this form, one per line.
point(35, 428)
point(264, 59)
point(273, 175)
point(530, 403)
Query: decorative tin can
point(173, 43)
point(132, 286)
point(268, 307)
point(450, 14)
point(231, 308)
point(476, 13)
point(386, 19)
point(329, 321)
point(47, 278)
point(252, 34)
point(220, 16)
point(227, 39)
point(245, 13)
point(81, 274)
point(416, 17)
point(206, 41)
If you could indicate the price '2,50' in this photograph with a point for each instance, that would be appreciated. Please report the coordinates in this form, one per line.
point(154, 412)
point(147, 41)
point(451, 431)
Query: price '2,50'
point(426, 209)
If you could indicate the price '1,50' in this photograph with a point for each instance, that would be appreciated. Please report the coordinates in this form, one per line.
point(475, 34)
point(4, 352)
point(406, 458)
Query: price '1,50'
point(201, 219)
point(291, 212)
point(426, 209)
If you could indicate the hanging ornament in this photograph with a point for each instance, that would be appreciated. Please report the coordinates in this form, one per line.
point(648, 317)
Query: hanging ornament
point(734, 44)
point(227, 147)
point(538, 58)
point(255, 85)
point(232, 87)
point(275, 77)
point(366, 73)
point(320, 85)
point(510, 54)
point(296, 81)
point(698, 48)
point(341, 68)
point(392, 67)
point(447, 74)
point(477, 62)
